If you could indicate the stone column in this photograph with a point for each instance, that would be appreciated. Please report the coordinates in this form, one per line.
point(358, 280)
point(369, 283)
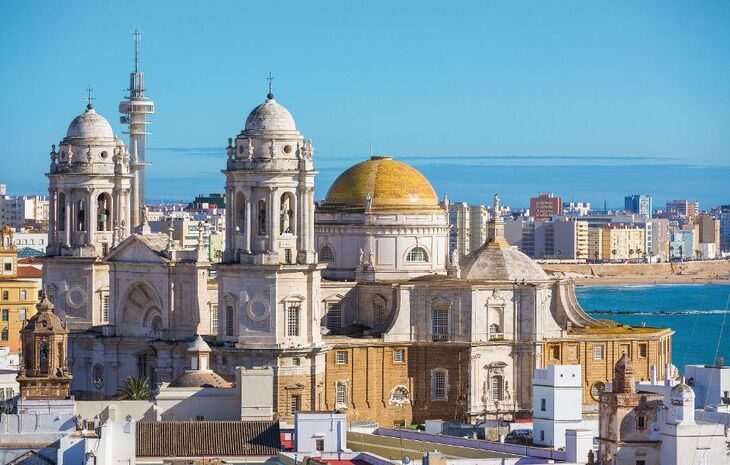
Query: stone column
point(301, 219)
point(230, 225)
point(127, 214)
point(247, 225)
point(275, 209)
point(309, 230)
point(67, 207)
point(52, 209)
point(91, 214)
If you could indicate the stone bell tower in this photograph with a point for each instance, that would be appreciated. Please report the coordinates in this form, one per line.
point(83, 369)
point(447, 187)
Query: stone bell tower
point(268, 283)
point(89, 214)
point(44, 373)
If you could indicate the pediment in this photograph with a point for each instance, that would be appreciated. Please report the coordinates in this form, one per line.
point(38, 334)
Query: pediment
point(135, 250)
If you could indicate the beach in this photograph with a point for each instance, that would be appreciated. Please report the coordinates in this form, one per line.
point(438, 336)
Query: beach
point(691, 272)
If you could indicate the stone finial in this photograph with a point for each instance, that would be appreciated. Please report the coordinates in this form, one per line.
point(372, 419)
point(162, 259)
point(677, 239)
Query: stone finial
point(44, 305)
point(249, 149)
point(623, 376)
point(200, 235)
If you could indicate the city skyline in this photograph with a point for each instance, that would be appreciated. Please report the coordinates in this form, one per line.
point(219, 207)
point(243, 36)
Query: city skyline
point(594, 112)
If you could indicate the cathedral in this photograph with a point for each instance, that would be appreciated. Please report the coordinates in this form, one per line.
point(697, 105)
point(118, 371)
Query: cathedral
point(352, 303)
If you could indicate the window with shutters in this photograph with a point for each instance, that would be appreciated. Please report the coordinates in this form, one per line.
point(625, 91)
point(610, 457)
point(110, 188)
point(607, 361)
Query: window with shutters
point(214, 319)
point(105, 308)
point(440, 323)
point(341, 394)
point(334, 315)
point(438, 384)
point(229, 319)
point(292, 318)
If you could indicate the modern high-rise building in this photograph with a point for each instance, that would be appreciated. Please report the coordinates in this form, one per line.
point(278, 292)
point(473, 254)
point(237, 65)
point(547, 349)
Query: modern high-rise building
point(18, 211)
point(468, 227)
point(134, 112)
point(545, 206)
point(725, 228)
point(561, 238)
point(617, 242)
point(638, 203)
point(683, 208)
point(709, 229)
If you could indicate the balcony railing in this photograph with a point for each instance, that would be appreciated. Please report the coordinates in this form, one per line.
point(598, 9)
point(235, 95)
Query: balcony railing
point(496, 336)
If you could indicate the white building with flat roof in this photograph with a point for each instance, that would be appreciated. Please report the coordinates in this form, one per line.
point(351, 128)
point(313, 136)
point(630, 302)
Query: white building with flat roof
point(320, 432)
point(556, 403)
point(711, 383)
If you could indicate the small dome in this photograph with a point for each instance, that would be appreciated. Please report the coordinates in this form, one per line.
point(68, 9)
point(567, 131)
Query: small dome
point(392, 186)
point(498, 261)
point(198, 345)
point(682, 391)
point(90, 125)
point(200, 379)
point(44, 321)
point(270, 116)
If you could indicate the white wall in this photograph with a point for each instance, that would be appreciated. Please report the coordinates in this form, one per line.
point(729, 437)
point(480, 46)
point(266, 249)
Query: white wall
point(330, 427)
point(558, 389)
point(708, 382)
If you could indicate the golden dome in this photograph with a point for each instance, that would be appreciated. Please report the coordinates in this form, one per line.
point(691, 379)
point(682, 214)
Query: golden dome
point(393, 186)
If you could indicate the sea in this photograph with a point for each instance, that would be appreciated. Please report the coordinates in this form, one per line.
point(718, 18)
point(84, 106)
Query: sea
point(698, 313)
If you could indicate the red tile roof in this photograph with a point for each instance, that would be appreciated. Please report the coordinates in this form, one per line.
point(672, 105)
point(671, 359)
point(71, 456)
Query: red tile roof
point(207, 438)
point(29, 272)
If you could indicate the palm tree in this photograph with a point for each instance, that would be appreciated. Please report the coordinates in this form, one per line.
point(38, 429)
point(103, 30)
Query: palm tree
point(134, 389)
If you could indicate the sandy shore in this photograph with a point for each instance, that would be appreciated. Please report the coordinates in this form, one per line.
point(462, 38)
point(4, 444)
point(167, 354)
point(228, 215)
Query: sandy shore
point(696, 272)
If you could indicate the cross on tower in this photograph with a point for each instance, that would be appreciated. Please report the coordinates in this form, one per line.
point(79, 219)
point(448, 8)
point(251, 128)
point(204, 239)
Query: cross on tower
point(270, 78)
point(89, 98)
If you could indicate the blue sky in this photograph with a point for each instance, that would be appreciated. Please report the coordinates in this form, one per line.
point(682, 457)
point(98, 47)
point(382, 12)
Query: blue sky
point(468, 92)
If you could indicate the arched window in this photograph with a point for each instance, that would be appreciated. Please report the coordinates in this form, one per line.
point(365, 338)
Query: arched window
point(80, 215)
point(417, 254)
point(326, 254)
point(286, 213)
point(497, 388)
point(240, 212)
point(261, 217)
point(61, 212)
point(103, 212)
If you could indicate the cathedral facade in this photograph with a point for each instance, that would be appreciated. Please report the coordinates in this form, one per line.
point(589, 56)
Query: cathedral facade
point(352, 304)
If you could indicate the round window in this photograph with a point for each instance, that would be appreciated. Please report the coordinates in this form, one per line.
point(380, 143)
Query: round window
point(104, 155)
point(597, 389)
point(76, 297)
point(258, 310)
point(287, 149)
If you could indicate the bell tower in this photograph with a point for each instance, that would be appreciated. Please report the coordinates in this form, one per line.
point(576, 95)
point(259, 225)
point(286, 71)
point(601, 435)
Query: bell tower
point(44, 372)
point(268, 283)
point(89, 186)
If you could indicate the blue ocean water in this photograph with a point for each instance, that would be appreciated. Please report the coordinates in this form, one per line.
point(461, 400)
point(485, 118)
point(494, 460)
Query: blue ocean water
point(698, 313)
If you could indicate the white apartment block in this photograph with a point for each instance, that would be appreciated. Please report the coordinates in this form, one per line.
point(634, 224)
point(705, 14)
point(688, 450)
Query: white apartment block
point(23, 210)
